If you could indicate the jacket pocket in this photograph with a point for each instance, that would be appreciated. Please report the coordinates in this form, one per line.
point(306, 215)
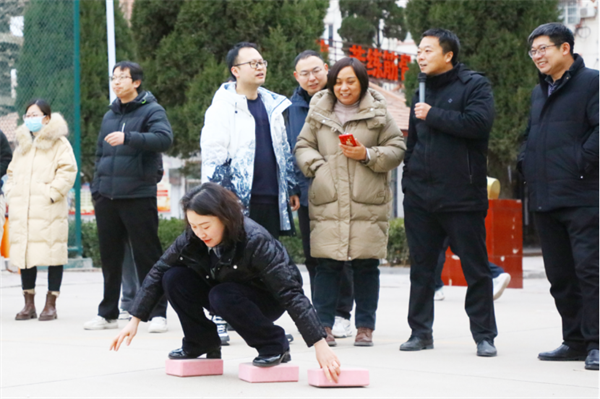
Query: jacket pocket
point(369, 187)
point(322, 190)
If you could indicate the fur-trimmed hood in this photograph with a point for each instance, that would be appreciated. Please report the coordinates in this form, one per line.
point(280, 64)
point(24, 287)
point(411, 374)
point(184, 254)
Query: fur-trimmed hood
point(45, 138)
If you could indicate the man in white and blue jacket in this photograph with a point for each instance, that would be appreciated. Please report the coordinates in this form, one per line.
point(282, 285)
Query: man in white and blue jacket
point(244, 143)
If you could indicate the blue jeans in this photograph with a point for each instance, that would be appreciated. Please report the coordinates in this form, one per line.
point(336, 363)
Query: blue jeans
point(129, 281)
point(366, 290)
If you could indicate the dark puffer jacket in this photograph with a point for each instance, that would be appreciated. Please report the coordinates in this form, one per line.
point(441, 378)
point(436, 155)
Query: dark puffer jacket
point(296, 116)
point(445, 166)
point(559, 157)
point(259, 261)
point(132, 170)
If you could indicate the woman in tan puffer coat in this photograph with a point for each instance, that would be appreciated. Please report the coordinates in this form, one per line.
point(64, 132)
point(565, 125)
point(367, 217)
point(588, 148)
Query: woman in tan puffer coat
point(42, 172)
point(349, 198)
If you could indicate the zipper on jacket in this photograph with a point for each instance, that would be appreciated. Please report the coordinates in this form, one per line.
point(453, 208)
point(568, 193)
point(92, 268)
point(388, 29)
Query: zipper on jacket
point(112, 166)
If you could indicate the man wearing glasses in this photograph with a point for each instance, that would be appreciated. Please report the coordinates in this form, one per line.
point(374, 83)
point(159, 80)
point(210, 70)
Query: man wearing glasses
point(244, 144)
point(559, 159)
point(128, 166)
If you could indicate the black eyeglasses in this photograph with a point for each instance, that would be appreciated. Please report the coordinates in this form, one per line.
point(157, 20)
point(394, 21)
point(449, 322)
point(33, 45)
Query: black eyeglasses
point(119, 78)
point(255, 64)
point(541, 50)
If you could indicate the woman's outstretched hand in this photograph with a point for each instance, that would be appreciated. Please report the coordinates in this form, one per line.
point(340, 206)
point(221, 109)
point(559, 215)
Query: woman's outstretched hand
point(328, 360)
point(128, 332)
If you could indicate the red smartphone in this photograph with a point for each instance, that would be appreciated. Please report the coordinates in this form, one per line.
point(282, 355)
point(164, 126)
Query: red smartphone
point(348, 139)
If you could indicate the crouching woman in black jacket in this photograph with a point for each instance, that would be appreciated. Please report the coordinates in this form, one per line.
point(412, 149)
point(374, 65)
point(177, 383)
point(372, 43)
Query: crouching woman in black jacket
point(230, 265)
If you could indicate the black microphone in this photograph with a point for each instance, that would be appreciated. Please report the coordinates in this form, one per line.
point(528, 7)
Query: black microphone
point(422, 78)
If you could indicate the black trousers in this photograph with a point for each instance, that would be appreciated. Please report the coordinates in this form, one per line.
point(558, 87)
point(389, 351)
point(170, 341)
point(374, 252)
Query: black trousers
point(346, 294)
point(119, 220)
point(55, 274)
point(250, 311)
point(494, 268)
point(569, 239)
point(425, 232)
point(267, 215)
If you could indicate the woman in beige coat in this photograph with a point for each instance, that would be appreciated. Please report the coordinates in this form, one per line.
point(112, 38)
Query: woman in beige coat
point(349, 198)
point(42, 172)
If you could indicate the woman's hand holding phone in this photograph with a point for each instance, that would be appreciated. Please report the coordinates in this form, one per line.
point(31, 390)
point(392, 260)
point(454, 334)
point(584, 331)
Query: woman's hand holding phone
point(352, 148)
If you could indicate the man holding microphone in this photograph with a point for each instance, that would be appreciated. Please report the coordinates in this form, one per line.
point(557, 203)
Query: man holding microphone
point(445, 187)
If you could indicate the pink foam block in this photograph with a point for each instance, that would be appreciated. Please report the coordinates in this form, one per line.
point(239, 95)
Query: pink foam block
point(194, 367)
point(282, 373)
point(347, 378)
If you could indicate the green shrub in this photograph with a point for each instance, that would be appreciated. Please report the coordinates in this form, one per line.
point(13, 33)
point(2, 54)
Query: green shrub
point(89, 242)
point(294, 245)
point(168, 231)
point(397, 250)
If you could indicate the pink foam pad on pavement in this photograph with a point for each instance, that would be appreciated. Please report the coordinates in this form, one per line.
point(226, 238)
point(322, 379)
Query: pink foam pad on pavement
point(282, 373)
point(347, 378)
point(194, 367)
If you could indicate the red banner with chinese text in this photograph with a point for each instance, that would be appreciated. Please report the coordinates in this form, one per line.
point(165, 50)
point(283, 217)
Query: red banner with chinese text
point(384, 64)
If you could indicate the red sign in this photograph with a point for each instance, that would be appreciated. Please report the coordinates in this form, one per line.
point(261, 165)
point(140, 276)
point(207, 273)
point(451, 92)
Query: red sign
point(324, 46)
point(381, 64)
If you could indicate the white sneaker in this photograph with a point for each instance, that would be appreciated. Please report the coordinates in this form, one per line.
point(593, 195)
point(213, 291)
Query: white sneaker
point(439, 294)
point(158, 325)
point(500, 284)
point(124, 315)
point(100, 323)
point(341, 328)
point(221, 329)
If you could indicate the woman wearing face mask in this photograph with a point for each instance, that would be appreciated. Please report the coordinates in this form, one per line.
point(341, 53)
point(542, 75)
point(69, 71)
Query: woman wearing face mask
point(40, 175)
point(349, 198)
point(230, 265)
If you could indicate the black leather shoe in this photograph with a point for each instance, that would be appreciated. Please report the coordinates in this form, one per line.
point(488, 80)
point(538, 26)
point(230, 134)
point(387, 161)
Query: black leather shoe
point(591, 361)
point(180, 354)
point(486, 349)
point(562, 354)
point(270, 361)
point(417, 344)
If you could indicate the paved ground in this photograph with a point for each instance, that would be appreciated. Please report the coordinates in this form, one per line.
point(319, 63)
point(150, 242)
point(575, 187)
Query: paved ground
point(58, 359)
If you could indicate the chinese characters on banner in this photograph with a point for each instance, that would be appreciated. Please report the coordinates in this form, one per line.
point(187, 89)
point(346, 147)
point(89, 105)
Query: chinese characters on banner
point(381, 64)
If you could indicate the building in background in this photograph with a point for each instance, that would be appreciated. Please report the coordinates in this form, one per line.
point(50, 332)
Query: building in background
point(581, 16)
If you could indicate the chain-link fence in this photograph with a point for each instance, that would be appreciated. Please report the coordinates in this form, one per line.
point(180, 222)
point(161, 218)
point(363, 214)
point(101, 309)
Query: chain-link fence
point(39, 58)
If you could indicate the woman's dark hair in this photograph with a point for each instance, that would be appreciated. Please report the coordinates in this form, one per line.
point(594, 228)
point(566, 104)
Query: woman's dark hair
point(210, 199)
point(42, 104)
point(359, 70)
point(448, 41)
point(558, 34)
point(135, 70)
